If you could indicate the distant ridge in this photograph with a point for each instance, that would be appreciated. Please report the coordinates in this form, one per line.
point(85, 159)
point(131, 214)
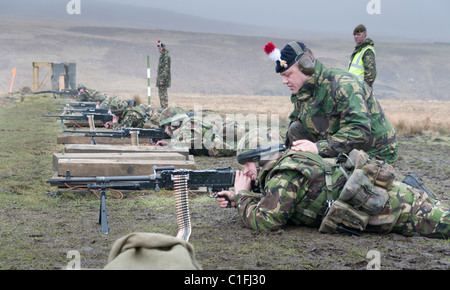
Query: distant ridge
point(113, 59)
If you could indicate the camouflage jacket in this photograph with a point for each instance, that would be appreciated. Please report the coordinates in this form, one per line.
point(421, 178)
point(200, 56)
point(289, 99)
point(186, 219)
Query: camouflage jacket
point(163, 76)
point(137, 117)
point(370, 68)
point(293, 193)
point(341, 113)
point(90, 96)
point(202, 139)
point(115, 104)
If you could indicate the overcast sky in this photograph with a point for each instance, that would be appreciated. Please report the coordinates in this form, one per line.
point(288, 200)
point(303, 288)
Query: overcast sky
point(416, 19)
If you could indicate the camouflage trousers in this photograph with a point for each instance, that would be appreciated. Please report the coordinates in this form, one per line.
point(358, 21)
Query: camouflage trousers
point(416, 213)
point(131, 119)
point(163, 96)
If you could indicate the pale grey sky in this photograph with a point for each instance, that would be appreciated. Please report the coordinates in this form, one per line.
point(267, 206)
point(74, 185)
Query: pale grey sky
point(416, 20)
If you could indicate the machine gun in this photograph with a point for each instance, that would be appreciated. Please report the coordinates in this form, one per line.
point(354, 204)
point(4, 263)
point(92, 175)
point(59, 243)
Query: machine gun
point(84, 116)
point(79, 104)
point(152, 134)
point(66, 92)
point(179, 180)
point(105, 117)
point(87, 110)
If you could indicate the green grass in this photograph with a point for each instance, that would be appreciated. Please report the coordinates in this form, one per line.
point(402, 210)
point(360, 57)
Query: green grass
point(27, 142)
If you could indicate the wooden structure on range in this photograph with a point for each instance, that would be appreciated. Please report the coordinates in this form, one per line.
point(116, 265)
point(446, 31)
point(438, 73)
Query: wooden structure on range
point(62, 75)
point(85, 160)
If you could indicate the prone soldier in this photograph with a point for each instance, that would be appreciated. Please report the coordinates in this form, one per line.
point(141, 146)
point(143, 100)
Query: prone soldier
point(305, 189)
point(201, 137)
point(89, 95)
point(130, 116)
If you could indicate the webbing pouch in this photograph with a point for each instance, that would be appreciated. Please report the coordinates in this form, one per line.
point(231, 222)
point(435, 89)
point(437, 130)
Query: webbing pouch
point(341, 213)
point(360, 192)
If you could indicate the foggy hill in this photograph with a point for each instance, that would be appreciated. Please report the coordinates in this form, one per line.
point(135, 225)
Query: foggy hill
point(114, 59)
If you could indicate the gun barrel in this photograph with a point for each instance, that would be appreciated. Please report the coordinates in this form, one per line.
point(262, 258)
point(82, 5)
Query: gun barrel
point(123, 133)
point(214, 179)
point(84, 116)
point(102, 179)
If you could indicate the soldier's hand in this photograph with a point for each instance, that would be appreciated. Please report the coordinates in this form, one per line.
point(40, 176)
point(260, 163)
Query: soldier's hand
point(242, 181)
point(226, 202)
point(304, 146)
point(161, 143)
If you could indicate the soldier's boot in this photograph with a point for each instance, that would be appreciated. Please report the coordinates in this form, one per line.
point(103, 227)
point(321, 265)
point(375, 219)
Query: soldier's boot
point(415, 181)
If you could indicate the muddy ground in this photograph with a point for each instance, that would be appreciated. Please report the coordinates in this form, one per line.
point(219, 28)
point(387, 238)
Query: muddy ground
point(43, 237)
point(305, 248)
point(45, 232)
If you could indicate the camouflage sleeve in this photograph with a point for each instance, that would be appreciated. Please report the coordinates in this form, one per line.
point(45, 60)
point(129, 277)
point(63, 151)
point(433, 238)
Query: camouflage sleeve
point(83, 97)
point(294, 114)
point(275, 208)
point(218, 147)
point(370, 69)
point(354, 130)
point(189, 135)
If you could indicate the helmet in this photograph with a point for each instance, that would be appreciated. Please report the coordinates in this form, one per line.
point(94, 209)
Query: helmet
point(117, 105)
point(255, 140)
point(172, 114)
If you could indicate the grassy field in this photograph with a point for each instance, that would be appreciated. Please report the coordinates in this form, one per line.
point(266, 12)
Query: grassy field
point(40, 226)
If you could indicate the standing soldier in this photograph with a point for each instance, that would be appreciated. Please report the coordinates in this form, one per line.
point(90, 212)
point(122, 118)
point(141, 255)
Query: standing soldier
point(362, 61)
point(163, 77)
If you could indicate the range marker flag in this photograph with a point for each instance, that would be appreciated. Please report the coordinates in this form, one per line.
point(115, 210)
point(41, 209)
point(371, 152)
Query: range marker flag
point(12, 81)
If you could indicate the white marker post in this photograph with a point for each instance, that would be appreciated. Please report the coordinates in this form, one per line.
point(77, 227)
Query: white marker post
point(149, 92)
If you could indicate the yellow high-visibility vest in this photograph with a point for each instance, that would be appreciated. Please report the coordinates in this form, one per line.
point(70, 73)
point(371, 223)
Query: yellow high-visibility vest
point(356, 64)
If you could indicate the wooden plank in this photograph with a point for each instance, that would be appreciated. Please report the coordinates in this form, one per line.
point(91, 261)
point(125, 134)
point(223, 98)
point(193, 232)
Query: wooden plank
point(61, 83)
point(44, 81)
point(81, 139)
point(40, 63)
point(82, 124)
point(99, 148)
point(106, 167)
point(118, 156)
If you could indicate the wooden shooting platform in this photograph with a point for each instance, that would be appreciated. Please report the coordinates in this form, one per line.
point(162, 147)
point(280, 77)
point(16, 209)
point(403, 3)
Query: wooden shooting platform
point(81, 139)
point(84, 160)
point(70, 124)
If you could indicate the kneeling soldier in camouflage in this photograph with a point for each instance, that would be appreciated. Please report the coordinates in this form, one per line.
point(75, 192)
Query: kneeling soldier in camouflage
point(353, 195)
point(334, 111)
